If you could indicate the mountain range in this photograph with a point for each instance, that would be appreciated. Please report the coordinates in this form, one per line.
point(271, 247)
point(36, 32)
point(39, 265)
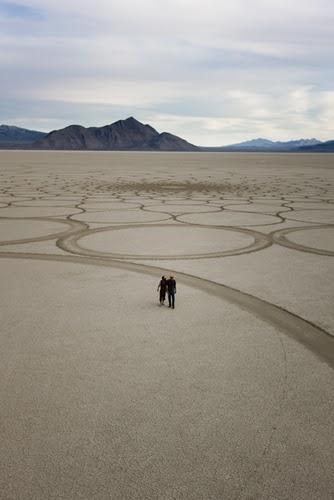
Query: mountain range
point(322, 147)
point(261, 144)
point(132, 135)
point(16, 137)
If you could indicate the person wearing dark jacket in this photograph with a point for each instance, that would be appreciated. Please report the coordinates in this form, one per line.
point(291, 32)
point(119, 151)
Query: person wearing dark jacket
point(171, 289)
point(162, 287)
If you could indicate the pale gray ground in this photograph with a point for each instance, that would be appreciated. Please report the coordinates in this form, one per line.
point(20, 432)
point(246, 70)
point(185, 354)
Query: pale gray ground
point(104, 394)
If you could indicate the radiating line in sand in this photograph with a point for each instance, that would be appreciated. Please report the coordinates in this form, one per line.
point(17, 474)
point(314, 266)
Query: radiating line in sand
point(305, 332)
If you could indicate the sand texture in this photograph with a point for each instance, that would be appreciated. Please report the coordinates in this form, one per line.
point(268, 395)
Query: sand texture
point(106, 394)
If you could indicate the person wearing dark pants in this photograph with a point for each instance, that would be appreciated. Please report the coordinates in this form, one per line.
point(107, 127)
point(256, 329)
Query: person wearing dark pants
point(162, 287)
point(171, 289)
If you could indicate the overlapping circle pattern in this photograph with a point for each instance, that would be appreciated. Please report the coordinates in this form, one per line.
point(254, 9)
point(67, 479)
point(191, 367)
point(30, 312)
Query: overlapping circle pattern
point(91, 214)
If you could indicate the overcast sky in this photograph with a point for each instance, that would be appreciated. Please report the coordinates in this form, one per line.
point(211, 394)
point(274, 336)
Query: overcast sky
point(212, 71)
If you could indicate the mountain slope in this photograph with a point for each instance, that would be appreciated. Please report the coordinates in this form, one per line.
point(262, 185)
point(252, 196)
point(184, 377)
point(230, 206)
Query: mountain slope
point(170, 142)
point(16, 137)
point(129, 134)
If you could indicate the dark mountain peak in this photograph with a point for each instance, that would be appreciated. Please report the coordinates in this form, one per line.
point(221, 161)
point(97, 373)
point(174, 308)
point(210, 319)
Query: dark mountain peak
point(131, 120)
point(129, 134)
point(132, 123)
point(128, 122)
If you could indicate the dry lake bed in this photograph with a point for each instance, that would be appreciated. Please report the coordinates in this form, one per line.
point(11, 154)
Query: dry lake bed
point(106, 395)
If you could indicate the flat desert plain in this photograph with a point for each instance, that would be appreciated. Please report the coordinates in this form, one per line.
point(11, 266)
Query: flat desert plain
point(106, 395)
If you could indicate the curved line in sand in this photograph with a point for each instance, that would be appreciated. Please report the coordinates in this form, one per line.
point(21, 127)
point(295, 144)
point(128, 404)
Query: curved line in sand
point(74, 228)
point(234, 226)
point(69, 243)
point(279, 237)
point(313, 337)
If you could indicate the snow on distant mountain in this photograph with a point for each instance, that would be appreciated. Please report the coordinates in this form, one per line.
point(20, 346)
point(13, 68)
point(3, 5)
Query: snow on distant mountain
point(323, 147)
point(262, 144)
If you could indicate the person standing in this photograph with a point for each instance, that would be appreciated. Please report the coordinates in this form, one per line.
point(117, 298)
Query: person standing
point(162, 287)
point(171, 289)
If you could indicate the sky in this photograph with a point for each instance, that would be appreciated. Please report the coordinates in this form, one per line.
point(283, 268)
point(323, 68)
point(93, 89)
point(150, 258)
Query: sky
point(214, 72)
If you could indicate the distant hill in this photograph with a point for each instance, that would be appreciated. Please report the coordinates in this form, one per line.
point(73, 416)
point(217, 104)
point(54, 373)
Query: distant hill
point(16, 137)
point(126, 135)
point(323, 147)
point(265, 145)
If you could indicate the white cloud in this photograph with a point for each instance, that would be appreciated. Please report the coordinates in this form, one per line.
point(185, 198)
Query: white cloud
point(214, 72)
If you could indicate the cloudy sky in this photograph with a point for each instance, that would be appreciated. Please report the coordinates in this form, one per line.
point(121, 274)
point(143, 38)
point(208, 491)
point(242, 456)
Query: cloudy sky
point(212, 71)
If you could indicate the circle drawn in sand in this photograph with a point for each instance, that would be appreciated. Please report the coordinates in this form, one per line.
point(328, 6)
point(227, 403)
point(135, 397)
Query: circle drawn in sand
point(121, 217)
point(320, 215)
point(229, 218)
point(175, 209)
point(23, 230)
point(311, 239)
point(36, 211)
point(164, 242)
point(109, 205)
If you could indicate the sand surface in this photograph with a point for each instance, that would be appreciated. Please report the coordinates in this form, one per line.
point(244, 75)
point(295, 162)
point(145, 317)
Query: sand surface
point(104, 393)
